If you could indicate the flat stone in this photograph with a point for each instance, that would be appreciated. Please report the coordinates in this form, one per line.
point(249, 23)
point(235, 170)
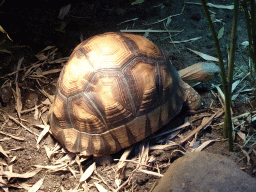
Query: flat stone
point(206, 172)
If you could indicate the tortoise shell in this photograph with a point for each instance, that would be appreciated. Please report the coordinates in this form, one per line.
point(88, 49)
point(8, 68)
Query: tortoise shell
point(115, 90)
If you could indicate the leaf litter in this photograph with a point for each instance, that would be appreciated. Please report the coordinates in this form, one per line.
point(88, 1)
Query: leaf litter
point(66, 161)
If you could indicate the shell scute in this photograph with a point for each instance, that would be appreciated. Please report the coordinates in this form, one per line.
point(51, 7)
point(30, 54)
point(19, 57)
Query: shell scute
point(115, 90)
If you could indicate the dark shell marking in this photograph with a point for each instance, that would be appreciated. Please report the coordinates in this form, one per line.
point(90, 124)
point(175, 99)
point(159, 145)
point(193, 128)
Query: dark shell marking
point(115, 90)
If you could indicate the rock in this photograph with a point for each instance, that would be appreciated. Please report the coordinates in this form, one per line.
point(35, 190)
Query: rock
point(5, 94)
point(31, 100)
point(202, 171)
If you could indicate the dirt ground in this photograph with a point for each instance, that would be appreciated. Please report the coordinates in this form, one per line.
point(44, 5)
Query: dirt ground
point(33, 27)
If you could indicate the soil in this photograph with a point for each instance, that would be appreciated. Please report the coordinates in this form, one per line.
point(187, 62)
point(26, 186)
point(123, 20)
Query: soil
point(33, 27)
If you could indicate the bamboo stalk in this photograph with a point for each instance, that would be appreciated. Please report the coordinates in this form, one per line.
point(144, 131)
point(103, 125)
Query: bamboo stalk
point(249, 18)
point(227, 83)
point(253, 33)
point(228, 120)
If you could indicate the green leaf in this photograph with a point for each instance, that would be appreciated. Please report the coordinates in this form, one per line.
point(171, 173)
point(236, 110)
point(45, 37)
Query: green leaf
point(168, 21)
point(2, 29)
point(221, 32)
point(137, 2)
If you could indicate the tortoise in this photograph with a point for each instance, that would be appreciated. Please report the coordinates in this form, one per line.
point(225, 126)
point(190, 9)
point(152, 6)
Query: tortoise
point(115, 90)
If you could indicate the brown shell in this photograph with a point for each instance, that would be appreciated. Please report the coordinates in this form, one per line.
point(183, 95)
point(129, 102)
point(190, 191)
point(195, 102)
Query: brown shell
point(115, 90)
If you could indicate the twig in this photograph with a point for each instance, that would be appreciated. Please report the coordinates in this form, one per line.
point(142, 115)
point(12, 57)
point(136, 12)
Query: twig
point(128, 21)
point(148, 30)
point(205, 124)
point(103, 180)
point(19, 123)
point(12, 136)
point(31, 109)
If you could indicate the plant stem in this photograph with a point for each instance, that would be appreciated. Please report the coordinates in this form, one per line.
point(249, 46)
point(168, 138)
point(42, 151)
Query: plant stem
point(233, 37)
point(250, 18)
point(227, 83)
point(253, 33)
point(222, 67)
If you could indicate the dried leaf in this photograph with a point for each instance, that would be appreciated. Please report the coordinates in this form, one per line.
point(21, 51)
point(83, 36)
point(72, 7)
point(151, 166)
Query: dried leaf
point(67, 158)
point(12, 160)
point(204, 56)
point(137, 2)
point(36, 186)
point(72, 171)
point(41, 56)
point(220, 92)
point(3, 185)
point(30, 70)
point(188, 40)
point(50, 72)
point(194, 143)
point(46, 102)
point(174, 130)
point(12, 136)
point(235, 84)
point(3, 31)
point(64, 11)
point(88, 172)
point(18, 175)
point(118, 182)
point(52, 167)
point(18, 105)
point(151, 173)
point(49, 153)
point(124, 156)
point(100, 187)
point(203, 145)
point(36, 114)
point(202, 126)
point(10, 170)
point(47, 48)
point(3, 151)
point(247, 156)
point(25, 186)
point(161, 147)
point(5, 139)
point(253, 119)
point(230, 7)
point(16, 148)
point(241, 135)
point(43, 133)
point(16, 121)
point(148, 31)
point(143, 158)
point(50, 97)
point(5, 51)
